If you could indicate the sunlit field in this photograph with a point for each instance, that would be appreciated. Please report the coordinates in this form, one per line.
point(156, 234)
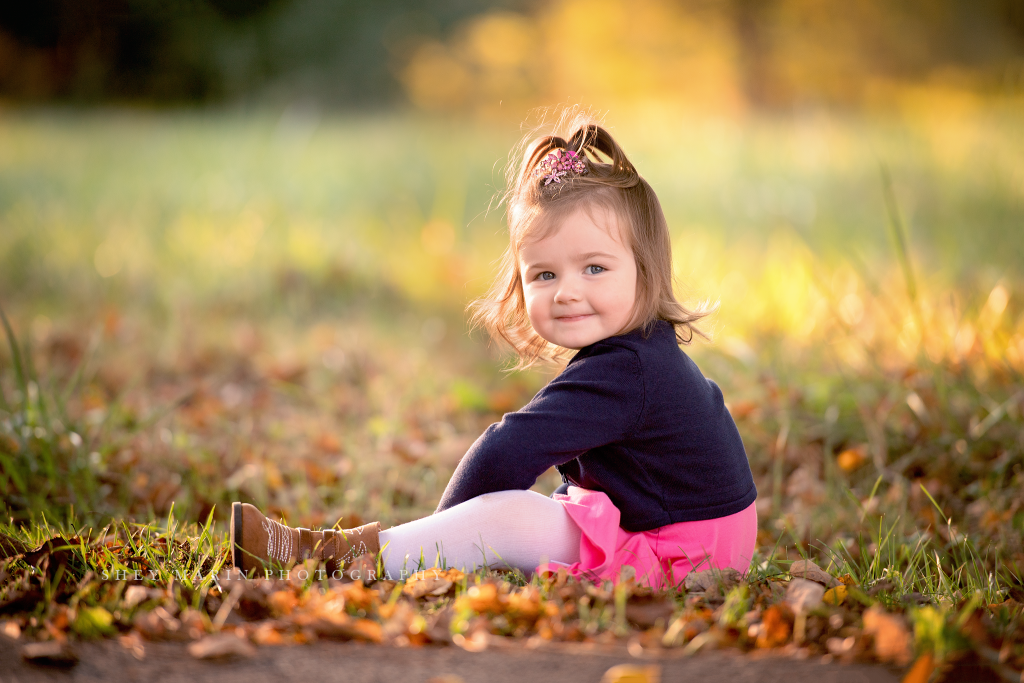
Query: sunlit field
point(230, 306)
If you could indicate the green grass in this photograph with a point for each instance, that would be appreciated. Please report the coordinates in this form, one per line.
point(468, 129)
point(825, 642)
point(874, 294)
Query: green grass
point(212, 307)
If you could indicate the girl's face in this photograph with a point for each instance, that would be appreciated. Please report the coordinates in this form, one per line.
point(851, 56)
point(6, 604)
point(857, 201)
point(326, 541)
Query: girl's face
point(580, 281)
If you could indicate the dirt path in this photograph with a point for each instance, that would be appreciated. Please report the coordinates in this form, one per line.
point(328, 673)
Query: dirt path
point(328, 661)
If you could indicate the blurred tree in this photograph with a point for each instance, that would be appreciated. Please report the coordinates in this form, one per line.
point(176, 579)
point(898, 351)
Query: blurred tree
point(211, 50)
point(456, 54)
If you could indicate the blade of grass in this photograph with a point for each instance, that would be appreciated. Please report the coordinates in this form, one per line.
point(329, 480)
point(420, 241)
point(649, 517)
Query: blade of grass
point(899, 234)
point(12, 342)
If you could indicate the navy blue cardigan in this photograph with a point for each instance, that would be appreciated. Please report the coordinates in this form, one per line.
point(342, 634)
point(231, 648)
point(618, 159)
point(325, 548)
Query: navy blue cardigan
point(630, 416)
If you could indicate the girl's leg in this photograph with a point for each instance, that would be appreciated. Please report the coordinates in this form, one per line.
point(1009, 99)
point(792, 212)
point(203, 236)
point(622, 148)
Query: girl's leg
point(518, 529)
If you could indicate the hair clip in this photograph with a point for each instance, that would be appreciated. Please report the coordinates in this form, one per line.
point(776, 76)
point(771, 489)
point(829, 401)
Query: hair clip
point(557, 165)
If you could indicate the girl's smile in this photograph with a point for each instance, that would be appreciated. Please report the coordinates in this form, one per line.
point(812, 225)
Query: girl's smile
point(579, 282)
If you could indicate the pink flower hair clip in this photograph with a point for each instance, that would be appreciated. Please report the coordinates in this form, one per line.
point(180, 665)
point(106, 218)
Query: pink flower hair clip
point(558, 164)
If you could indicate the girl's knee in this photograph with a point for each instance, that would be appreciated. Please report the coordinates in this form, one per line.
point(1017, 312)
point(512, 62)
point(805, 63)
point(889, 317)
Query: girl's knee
point(507, 501)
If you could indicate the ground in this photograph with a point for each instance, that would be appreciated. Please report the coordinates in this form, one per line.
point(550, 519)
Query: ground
point(169, 662)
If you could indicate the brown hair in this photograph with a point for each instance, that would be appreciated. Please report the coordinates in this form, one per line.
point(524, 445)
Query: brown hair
point(534, 209)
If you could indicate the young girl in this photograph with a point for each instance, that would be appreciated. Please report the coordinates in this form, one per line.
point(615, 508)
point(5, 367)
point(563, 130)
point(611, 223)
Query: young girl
point(655, 474)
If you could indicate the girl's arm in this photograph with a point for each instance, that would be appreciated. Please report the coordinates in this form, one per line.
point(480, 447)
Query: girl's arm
point(598, 399)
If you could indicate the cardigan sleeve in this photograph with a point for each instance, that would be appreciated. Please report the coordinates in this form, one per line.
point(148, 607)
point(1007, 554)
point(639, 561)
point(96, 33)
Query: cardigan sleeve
point(598, 399)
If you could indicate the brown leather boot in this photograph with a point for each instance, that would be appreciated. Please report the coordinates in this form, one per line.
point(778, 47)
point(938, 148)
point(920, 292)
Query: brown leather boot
point(257, 542)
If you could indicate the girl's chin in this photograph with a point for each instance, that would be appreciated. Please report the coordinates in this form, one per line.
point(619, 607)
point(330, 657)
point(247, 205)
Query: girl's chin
point(575, 341)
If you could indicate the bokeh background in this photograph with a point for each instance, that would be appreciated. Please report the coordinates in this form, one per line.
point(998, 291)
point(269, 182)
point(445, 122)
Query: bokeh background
point(237, 239)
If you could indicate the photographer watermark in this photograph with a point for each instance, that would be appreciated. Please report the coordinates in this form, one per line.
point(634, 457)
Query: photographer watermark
point(300, 573)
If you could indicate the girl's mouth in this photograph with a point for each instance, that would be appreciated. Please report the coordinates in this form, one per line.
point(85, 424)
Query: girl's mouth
point(573, 318)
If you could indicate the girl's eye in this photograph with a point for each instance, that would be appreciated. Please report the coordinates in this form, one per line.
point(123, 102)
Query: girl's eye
point(594, 270)
point(546, 275)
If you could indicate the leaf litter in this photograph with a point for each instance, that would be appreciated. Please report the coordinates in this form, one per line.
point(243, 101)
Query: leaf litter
point(891, 479)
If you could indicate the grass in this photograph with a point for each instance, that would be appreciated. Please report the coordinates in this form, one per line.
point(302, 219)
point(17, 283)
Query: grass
point(224, 309)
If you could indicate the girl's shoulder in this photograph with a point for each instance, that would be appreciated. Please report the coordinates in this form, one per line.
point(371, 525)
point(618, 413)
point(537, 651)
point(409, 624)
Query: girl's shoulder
point(637, 349)
point(658, 337)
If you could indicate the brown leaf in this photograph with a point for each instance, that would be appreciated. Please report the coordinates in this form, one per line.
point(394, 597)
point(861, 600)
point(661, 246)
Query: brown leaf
point(483, 598)
point(524, 604)
point(805, 569)
point(892, 639)
point(712, 580)
point(282, 602)
point(341, 627)
point(776, 625)
point(55, 557)
point(132, 642)
point(358, 596)
point(134, 596)
point(476, 642)
point(50, 653)
point(363, 568)
point(221, 645)
point(647, 613)
point(159, 624)
point(426, 583)
point(803, 595)
point(840, 646)
point(11, 547)
point(267, 634)
point(11, 629)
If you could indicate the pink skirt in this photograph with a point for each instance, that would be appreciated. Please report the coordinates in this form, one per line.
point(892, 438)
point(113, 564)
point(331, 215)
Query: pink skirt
point(661, 557)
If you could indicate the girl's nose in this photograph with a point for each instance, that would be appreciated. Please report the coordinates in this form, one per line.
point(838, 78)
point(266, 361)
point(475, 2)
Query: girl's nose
point(568, 291)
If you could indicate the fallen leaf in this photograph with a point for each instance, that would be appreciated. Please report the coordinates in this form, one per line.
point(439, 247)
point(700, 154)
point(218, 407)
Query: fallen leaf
point(363, 568)
point(631, 673)
point(805, 569)
point(221, 645)
point(341, 627)
point(50, 653)
point(482, 598)
point(10, 547)
point(892, 638)
point(132, 642)
point(266, 634)
point(428, 585)
point(358, 596)
point(776, 625)
point(477, 642)
point(713, 580)
point(56, 558)
point(646, 614)
point(158, 624)
point(922, 669)
point(282, 602)
point(134, 596)
point(852, 458)
point(837, 647)
point(803, 595)
point(835, 596)
point(11, 629)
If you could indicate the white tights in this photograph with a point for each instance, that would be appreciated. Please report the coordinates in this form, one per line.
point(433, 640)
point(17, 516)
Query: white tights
point(518, 529)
